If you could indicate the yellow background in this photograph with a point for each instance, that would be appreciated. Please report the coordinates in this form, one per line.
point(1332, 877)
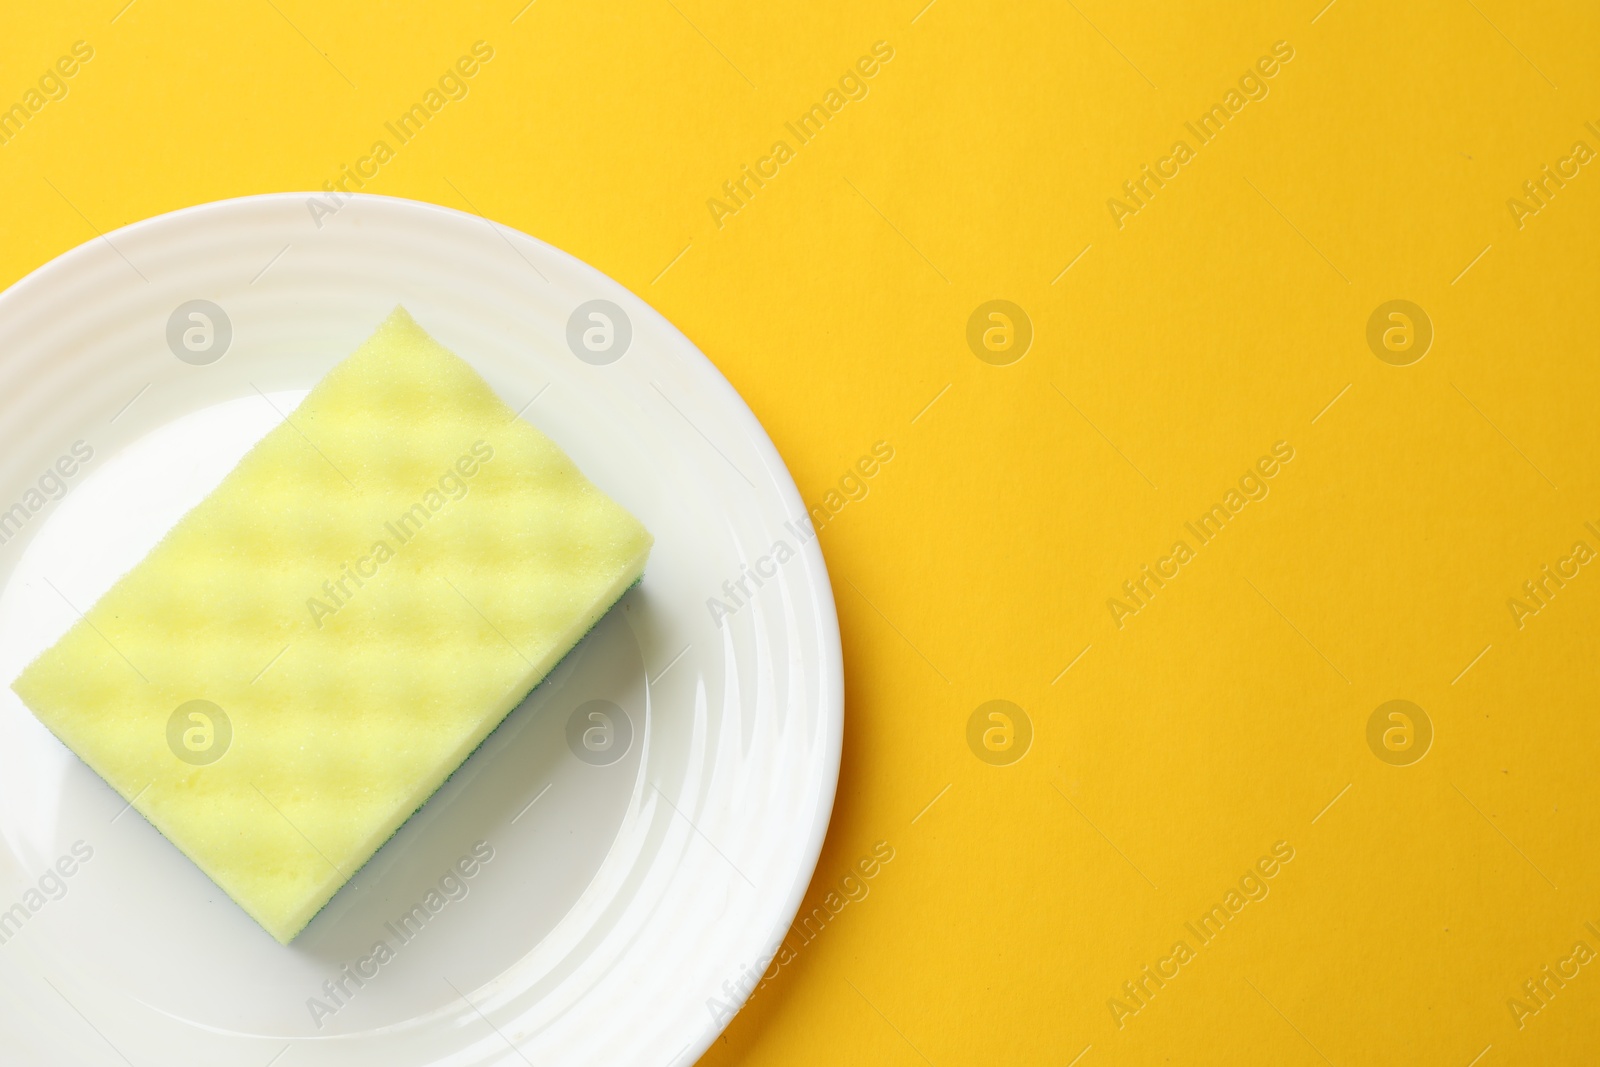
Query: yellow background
point(1223, 317)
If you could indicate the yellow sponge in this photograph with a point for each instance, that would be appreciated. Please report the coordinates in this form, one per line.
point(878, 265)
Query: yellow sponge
point(308, 655)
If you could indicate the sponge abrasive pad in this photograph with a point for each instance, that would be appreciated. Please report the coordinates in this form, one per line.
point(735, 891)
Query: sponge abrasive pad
point(307, 656)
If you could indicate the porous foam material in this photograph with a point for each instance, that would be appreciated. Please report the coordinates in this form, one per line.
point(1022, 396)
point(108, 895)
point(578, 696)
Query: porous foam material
point(372, 589)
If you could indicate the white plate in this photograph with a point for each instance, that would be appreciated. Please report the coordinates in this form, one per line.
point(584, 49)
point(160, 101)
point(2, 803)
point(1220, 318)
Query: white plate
point(628, 905)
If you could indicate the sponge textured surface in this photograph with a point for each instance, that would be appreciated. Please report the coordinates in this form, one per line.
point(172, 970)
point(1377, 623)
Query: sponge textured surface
point(378, 583)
